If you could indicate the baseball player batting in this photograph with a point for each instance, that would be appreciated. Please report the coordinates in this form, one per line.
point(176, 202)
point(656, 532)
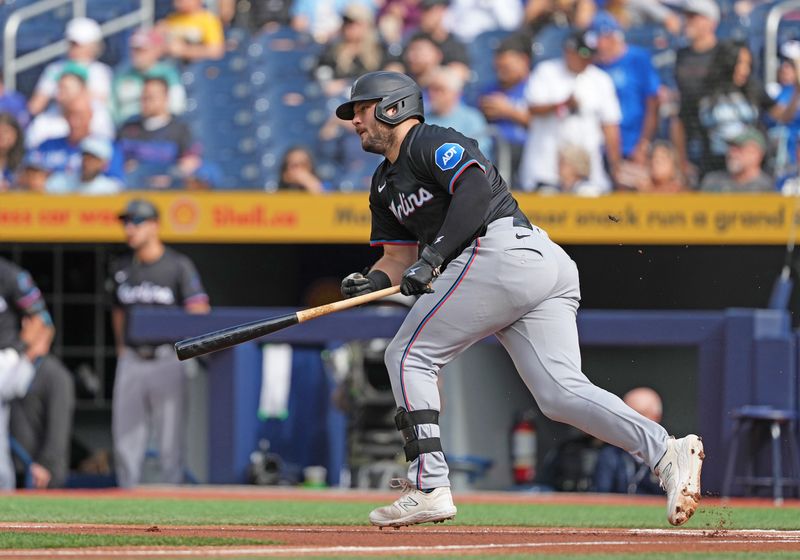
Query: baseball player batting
point(453, 234)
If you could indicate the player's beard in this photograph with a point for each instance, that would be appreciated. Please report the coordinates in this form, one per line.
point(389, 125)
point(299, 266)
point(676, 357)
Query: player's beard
point(379, 140)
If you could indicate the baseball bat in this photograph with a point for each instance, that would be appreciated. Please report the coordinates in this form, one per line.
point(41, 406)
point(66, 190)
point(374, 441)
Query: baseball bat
point(231, 336)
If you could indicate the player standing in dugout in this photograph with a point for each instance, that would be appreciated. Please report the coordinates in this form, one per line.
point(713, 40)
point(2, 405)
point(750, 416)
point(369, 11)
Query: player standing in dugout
point(453, 234)
point(150, 382)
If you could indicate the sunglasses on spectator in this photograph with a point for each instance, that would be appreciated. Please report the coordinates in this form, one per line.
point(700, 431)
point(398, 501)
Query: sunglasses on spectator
point(135, 220)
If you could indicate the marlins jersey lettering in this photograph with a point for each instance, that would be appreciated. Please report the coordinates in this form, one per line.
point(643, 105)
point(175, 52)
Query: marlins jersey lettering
point(18, 296)
point(171, 280)
point(410, 198)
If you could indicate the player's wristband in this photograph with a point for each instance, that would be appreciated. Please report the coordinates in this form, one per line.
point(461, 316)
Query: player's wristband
point(379, 280)
point(432, 256)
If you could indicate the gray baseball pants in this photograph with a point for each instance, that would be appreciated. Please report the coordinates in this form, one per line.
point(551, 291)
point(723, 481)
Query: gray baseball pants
point(517, 284)
point(149, 394)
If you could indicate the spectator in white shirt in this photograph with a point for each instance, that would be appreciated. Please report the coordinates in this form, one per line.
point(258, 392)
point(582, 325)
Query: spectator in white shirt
point(85, 45)
point(466, 19)
point(571, 102)
point(51, 123)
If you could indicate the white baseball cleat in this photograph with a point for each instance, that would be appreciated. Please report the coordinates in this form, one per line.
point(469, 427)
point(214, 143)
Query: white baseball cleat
point(415, 506)
point(679, 473)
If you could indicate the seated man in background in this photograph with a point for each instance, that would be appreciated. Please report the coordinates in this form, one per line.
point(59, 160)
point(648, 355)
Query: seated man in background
point(41, 417)
point(158, 149)
point(91, 178)
point(743, 171)
point(617, 470)
point(146, 49)
point(64, 153)
point(71, 89)
point(193, 33)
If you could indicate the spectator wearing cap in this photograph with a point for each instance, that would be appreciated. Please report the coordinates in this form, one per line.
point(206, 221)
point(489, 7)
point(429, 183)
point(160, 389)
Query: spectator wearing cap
point(147, 47)
point(193, 33)
point(64, 153)
point(96, 157)
point(446, 108)
point(356, 51)
point(72, 88)
point(466, 19)
point(157, 148)
point(85, 41)
point(692, 64)
point(12, 149)
point(503, 102)
point(32, 175)
point(734, 99)
point(635, 81)
point(571, 101)
point(432, 24)
point(14, 103)
point(743, 172)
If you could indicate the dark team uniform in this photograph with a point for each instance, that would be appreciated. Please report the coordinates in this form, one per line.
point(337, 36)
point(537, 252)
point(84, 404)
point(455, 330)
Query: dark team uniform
point(41, 418)
point(505, 277)
point(19, 296)
point(410, 198)
point(149, 382)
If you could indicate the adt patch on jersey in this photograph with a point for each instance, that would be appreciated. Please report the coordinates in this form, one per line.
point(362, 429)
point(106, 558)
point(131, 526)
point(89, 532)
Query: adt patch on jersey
point(448, 155)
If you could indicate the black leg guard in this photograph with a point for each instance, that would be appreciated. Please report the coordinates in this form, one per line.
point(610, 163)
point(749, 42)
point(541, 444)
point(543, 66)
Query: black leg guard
point(406, 423)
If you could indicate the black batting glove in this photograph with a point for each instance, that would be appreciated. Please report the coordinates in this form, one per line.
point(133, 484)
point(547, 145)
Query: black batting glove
point(418, 277)
point(356, 284)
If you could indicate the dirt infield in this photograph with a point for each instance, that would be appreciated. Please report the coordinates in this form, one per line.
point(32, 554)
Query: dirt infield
point(428, 540)
point(424, 540)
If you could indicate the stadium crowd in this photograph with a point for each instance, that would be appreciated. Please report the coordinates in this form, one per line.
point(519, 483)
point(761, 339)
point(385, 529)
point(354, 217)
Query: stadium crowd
point(593, 116)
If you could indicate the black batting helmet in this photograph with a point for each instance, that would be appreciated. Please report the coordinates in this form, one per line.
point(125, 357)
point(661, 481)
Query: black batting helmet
point(390, 89)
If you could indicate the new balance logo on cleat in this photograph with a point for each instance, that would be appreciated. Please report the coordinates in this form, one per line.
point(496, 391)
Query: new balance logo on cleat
point(407, 503)
point(415, 507)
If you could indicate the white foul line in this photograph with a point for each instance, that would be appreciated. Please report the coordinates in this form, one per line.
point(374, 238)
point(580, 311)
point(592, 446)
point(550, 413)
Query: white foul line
point(274, 551)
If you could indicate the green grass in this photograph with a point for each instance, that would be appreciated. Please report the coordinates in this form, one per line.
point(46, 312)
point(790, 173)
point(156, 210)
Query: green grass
point(69, 540)
point(187, 511)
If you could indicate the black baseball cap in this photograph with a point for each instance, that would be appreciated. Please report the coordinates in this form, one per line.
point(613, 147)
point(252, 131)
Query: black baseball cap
point(582, 42)
point(139, 210)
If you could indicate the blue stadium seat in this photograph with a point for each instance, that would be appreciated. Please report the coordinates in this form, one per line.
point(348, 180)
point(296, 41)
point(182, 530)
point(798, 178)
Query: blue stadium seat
point(548, 43)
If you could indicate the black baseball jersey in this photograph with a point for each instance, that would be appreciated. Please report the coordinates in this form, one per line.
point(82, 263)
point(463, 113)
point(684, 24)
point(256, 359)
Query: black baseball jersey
point(172, 280)
point(409, 198)
point(19, 296)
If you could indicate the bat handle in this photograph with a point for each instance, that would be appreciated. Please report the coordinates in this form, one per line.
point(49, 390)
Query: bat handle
point(313, 313)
